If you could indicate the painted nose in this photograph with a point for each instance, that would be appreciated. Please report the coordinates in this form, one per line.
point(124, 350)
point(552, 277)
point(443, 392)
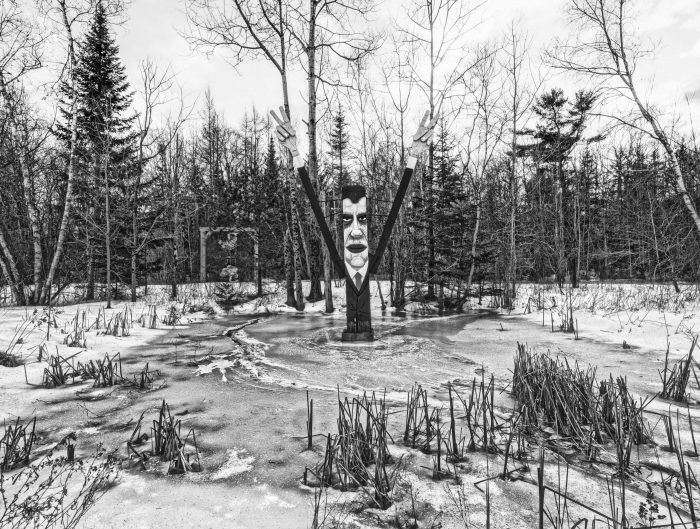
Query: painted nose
point(356, 232)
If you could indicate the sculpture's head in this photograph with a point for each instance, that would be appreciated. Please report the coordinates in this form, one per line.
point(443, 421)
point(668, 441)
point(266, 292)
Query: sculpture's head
point(355, 229)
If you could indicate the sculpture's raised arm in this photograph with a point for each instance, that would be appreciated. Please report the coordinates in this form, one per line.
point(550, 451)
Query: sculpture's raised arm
point(420, 145)
point(356, 263)
point(286, 135)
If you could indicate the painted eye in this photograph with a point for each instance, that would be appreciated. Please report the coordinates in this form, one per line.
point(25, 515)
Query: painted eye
point(362, 218)
point(347, 219)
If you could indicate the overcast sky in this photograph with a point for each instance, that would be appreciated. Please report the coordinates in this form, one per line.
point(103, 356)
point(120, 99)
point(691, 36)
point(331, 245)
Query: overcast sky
point(154, 29)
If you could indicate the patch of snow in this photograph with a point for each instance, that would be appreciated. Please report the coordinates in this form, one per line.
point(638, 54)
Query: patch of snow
point(218, 362)
point(236, 464)
point(270, 499)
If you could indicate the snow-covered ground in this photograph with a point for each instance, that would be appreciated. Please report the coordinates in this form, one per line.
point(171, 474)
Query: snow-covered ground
point(245, 395)
point(646, 316)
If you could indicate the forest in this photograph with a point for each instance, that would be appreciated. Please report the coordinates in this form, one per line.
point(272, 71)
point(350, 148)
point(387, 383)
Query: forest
point(349, 264)
point(524, 181)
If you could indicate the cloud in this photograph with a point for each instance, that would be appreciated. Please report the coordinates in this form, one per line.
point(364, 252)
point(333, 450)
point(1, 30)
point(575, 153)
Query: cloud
point(694, 51)
point(665, 14)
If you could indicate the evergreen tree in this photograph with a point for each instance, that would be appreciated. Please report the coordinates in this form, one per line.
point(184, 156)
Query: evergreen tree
point(450, 205)
point(339, 140)
point(269, 214)
point(560, 128)
point(104, 100)
point(105, 139)
point(210, 146)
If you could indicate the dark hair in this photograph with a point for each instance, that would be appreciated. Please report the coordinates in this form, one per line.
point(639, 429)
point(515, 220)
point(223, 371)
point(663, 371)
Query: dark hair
point(353, 192)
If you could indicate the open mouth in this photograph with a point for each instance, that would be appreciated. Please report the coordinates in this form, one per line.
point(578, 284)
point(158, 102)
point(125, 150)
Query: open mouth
point(356, 248)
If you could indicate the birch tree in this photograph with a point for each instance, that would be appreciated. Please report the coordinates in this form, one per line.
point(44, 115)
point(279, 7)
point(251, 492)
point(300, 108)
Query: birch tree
point(483, 140)
point(19, 55)
point(605, 49)
point(249, 31)
point(520, 89)
point(439, 30)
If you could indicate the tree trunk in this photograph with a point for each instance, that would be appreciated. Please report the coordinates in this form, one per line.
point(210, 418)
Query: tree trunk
point(134, 242)
point(9, 266)
point(134, 279)
point(313, 241)
point(289, 268)
point(68, 201)
point(666, 144)
point(475, 239)
point(430, 171)
point(178, 249)
point(21, 151)
point(90, 293)
point(327, 267)
point(292, 272)
point(559, 226)
point(305, 244)
point(296, 245)
point(108, 227)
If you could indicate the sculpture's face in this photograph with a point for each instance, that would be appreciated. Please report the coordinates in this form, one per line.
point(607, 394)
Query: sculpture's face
point(355, 229)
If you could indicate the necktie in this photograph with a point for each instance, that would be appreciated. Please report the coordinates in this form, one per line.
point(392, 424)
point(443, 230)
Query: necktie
point(358, 280)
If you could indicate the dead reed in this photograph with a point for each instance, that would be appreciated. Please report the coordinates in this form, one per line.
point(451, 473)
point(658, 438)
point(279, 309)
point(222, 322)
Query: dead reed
point(120, 323)
point(59, 371)
point(16, 444)
point(75, 334)
point(11, 357)
point(149, 320)
point(568, 401)
point(106, 372)
point(145, 378)
point(170, 446)
point(360, 444)
point(172, 316)
point(675, 380)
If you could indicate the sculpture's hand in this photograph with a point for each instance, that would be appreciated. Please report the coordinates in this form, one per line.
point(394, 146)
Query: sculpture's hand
point(286, 134)
point(422, 138)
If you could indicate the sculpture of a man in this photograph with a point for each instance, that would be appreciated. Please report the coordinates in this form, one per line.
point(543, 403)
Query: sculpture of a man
point(356, 262)
point(355, 233)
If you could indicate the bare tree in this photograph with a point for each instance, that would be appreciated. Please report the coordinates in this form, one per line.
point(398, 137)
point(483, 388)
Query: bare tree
point(155, 85)
point(324, 30)
point(605, 49)
point(398, 85)
point(487, 126)
point(521, 88)
point(439, 30)
point(67, 23)
point(250, 31)
point(20, 54)
point(68, 13)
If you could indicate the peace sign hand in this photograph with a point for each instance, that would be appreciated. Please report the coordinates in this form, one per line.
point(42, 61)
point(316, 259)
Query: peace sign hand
point(422, 138)
point(286, 134)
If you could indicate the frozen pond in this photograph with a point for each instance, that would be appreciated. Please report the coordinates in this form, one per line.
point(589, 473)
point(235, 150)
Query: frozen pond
point(248, 404)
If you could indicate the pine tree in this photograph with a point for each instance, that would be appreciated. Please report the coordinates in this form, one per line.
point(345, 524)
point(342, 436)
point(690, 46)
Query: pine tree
point(560, 128)
point(450, 205)
point(105, 136)
point(104, 98)
point(269, 212)
point(339, 140)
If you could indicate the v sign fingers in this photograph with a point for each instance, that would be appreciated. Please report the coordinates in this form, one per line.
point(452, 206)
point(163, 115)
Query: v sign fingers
point(276, 118)
point(423, 136)
point(424, 121)
point(286, 135)
point(284, 115)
